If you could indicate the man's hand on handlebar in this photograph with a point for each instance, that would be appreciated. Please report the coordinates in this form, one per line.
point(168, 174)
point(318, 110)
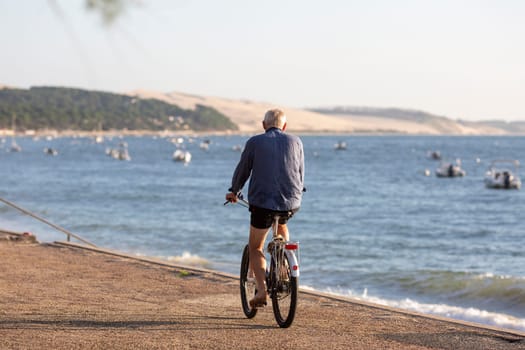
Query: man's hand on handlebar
point(231, 197)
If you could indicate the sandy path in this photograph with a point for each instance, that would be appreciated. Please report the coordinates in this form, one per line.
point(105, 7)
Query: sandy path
point(61, 297)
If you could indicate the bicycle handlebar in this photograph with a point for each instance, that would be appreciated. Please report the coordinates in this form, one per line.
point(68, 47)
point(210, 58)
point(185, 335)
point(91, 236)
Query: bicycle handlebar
point(240, 200)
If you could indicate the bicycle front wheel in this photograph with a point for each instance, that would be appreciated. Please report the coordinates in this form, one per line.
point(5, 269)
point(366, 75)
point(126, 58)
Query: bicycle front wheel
point(247, 284)
point(284, 292)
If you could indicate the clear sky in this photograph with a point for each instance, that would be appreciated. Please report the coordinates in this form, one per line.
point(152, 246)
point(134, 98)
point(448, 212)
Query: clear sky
point(457, 58)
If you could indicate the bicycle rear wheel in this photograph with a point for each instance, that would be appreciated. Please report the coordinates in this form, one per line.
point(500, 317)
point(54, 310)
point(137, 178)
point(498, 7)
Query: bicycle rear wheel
point(284, 293)
point(247, 285)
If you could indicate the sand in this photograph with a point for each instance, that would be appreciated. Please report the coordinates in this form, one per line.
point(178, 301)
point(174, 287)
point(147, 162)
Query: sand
point(248, 115)
point(60, 296)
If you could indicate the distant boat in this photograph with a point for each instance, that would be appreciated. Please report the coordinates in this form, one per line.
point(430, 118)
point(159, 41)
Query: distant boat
point(341, 145)
point(50, 151)
point(120, 153)
point(15, 147)
point(182, 156)
point(436, 155)
point(503, 174)
point(205, 145)
point(450, 170)
point(177, 140)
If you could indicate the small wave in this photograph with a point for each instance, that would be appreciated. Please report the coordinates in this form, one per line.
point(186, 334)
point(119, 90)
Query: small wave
point(486, 290)
point(467, 314)
point(186, 258)
point(470, 314)
point(189, 259)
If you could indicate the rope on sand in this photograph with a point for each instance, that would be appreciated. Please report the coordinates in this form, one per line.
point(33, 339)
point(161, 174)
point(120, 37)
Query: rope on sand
point(63, 230)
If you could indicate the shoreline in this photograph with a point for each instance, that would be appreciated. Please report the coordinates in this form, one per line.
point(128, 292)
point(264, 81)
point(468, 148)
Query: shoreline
point(308, 291)
point(505, 322)
point(174, 133)
point(64, 295)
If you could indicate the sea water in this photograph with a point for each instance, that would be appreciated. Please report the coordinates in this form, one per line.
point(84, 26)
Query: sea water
point(372, 226)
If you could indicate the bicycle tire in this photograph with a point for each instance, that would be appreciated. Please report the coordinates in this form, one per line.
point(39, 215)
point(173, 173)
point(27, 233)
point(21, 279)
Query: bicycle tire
point(284, 294)
point(247, 287)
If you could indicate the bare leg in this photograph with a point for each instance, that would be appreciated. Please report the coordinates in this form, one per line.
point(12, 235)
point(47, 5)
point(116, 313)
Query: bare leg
point(283, 231)
point(257, 260)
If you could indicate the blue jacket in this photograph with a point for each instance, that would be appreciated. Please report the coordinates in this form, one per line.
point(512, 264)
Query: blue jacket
point(274, 162)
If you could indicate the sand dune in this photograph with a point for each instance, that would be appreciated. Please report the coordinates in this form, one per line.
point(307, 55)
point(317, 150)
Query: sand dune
point(248, 116)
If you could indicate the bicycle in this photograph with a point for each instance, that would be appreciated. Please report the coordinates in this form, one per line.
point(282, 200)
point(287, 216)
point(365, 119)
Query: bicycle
point(282, 276)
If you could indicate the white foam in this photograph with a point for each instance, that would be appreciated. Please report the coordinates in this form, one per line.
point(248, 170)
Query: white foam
point(456, 312)
point(490, 275)
point(189, 259)
point(185, 259)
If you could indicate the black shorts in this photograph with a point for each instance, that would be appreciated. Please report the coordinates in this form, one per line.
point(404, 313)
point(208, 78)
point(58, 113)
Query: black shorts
point(263, 218)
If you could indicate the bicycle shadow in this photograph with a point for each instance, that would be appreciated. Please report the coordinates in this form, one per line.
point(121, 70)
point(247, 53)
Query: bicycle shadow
point(195, 322)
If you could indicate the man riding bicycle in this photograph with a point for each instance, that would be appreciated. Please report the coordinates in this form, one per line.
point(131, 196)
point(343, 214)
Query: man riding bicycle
point(274, 162)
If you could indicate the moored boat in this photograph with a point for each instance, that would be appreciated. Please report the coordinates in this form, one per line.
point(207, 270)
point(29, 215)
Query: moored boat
point(120, 153)
point(435, 155)
point(182, 156)
point(340, 146)
point(449, 169)
point(503, 174)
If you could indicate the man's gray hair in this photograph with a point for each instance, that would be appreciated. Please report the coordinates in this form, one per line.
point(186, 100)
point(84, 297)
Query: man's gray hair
point(275, 118)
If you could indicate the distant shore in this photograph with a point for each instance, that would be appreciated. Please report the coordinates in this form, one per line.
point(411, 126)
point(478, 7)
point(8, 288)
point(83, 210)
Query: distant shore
point(109, 133)
point(171, 133)
point(247, 115)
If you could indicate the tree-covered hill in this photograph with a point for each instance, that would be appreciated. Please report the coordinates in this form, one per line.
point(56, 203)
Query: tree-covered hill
point(75, 109)
point(394, 113)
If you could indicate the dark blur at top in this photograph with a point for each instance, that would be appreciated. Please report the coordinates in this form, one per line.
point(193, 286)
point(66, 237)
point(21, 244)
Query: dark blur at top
point(109, 10)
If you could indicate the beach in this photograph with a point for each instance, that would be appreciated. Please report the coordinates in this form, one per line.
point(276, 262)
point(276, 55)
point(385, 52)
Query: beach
point(67, 296)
